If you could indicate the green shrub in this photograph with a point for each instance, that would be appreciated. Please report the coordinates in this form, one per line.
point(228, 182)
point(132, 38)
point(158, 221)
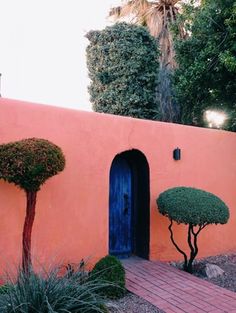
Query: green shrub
point(195, 208)
point(28, 163)
point(110, 270)
point(123, 67)
point(192, 206)
point(49, 293)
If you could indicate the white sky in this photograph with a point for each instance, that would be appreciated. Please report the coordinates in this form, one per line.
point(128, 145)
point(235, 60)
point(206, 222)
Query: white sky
point(42, 49)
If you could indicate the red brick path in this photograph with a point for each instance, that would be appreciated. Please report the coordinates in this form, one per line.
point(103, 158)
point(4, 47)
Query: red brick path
point(175, 291)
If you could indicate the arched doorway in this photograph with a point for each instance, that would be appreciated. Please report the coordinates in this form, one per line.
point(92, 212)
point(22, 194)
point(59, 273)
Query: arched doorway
point(129, 213)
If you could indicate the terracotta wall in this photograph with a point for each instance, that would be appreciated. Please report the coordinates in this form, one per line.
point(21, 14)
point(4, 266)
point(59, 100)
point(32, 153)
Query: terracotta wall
point(72, 209)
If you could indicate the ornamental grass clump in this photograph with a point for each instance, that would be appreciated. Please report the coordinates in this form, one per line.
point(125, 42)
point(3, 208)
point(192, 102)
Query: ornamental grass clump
point(48, 292)
point(109, 270)
point(195, 208)
point(28, 163)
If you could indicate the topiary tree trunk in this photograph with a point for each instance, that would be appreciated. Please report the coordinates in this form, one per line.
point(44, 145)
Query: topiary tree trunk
point(192, 243)
point(27, 231)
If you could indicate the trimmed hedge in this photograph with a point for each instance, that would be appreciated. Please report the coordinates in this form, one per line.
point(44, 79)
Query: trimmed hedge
point(110, 271)
point(123, 65)
point(28, 163)
point(192, 206)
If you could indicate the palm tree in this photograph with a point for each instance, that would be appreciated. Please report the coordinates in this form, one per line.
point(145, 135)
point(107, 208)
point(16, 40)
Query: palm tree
point(157, 16)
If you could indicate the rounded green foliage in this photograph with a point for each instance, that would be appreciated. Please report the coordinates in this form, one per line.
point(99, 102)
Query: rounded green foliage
point(192, 206)
point(28, 163)
point(206, 75)
point(110, 270)
point(123, 67)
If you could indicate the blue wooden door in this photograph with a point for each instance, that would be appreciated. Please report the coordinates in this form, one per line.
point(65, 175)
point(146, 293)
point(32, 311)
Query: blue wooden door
point(120, 205)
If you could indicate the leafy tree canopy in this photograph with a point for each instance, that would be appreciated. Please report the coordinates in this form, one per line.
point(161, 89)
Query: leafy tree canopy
point(206, 77)
point(192, 206)
point(122, 62)
point(28, 163)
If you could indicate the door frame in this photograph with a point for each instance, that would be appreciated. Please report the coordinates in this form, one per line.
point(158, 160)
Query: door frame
point(140, 222)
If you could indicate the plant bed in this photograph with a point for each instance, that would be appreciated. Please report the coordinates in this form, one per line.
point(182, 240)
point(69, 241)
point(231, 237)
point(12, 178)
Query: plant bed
point(227, 262)
point(46, 292)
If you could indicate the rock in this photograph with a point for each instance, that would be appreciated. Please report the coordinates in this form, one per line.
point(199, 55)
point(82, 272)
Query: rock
point(213, 270)
point(172, 263)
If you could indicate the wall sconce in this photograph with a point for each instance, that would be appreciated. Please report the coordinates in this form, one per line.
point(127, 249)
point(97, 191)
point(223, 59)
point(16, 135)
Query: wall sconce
point(177, 154)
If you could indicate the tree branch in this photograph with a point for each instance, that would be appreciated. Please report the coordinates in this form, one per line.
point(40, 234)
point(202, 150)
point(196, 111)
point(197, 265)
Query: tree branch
point(190, 230)
point(176, 246)
point(195, 235)
point(199, 229)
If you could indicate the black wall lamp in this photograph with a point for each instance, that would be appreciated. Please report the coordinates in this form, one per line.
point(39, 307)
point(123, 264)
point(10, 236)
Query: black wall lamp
point(177, 154)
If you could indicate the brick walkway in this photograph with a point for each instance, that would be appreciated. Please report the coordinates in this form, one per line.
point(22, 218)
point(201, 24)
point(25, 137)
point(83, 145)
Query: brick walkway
point(173, 291)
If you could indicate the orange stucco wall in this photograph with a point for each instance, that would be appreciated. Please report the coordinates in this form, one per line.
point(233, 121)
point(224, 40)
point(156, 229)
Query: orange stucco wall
point(72, 209)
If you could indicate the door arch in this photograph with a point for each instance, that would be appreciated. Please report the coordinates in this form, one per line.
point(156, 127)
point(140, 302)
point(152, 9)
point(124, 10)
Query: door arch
point(129, 202)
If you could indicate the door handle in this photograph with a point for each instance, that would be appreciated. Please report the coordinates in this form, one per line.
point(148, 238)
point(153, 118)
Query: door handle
point(126, 204)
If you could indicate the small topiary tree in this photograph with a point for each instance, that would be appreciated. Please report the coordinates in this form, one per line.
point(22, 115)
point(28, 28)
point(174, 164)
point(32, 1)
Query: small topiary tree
point(123, 67)
point(195, 208)
point(28, 164)
point(110, 270)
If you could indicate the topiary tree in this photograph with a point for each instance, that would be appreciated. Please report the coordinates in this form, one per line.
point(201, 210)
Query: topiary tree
point(122, 62)
point(110, 271)
point(195, 208)
point(28, 164)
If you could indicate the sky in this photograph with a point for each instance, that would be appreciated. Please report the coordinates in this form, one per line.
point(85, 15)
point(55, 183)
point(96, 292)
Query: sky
point(43, 49)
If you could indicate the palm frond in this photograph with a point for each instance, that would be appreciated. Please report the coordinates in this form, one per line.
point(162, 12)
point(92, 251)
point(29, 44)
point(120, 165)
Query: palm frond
point(157, 16)
point(132, 7)
point(154, 22)
point(115, 12)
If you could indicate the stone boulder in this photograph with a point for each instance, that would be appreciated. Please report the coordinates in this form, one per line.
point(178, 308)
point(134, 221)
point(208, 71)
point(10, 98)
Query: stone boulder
point(212, 270)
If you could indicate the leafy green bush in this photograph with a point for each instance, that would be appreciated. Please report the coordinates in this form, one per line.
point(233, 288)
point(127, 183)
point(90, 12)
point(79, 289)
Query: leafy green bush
point(123, 67)
point(110, 270)
point(48, 293)
point(206, 76)
point(195, 208)
point(28, 163)
point(192, 206)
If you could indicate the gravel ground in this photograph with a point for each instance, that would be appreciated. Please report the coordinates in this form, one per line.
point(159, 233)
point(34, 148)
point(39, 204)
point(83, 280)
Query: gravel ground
point(227, 263)
point(134, 304)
